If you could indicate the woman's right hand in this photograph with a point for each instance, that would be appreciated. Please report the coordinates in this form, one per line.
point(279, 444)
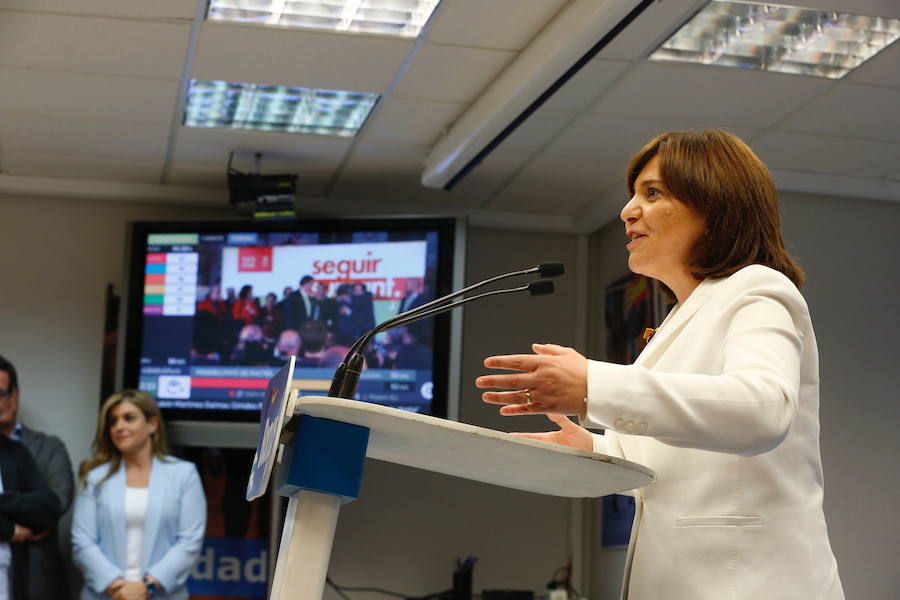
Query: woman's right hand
point(569, 434)
point(112, 588)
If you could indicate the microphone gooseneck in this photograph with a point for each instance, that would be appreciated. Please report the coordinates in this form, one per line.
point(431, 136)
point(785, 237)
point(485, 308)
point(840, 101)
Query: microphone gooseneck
point(346, 376)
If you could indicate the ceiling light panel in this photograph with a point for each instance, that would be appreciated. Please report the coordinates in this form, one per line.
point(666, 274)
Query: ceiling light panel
point(257, 107)
point(404, 18)
point(784, 39)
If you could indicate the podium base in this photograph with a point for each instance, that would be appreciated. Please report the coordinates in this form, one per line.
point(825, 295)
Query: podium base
point(305, 549)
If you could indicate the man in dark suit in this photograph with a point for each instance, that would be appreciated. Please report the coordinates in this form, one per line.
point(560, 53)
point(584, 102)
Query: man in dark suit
point(325, 309)
point(47, 579)
point(414, 298)
point(297, 307)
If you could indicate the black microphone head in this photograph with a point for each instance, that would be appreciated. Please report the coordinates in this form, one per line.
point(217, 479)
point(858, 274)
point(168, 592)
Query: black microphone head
point(553, 269)
point(540, 287)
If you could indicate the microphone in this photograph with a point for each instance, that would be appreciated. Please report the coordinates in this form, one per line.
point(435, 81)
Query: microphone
point(540, 287)
point(349, 377)
point(352, 363)
point(544, 270)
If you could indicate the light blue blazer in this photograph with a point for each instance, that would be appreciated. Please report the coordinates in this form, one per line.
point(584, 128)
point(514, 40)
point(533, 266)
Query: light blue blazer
point(173, 528)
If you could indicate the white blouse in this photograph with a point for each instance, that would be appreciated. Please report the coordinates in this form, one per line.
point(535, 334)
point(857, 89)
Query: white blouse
point(135, 511)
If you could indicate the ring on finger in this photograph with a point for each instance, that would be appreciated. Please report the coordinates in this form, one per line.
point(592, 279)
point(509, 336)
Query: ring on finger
point(528, 398)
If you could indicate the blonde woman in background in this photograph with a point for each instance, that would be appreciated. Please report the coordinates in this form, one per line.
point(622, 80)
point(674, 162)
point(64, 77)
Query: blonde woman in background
point(139, 521)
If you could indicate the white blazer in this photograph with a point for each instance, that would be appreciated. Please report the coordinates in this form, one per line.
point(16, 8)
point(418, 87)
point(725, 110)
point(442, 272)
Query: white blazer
point(173, 528)
point(723, 404)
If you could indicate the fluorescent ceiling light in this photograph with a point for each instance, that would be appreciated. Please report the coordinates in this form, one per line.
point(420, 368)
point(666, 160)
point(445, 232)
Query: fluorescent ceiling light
point(785, 39)
point(253, 106)
point(403, 18)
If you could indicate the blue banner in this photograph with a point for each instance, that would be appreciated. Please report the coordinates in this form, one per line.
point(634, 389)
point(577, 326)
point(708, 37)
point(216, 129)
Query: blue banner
point(230, 567)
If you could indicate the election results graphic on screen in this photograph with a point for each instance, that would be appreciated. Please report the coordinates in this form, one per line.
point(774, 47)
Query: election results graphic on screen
point(220, 312)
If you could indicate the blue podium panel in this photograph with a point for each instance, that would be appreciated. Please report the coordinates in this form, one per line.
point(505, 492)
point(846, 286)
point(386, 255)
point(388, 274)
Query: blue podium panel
point(324, 456)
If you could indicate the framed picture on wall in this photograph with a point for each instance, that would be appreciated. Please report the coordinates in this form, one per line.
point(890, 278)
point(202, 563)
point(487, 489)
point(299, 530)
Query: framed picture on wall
point(633, 304)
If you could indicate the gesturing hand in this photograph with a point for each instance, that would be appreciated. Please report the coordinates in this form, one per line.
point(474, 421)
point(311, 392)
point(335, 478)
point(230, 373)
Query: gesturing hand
point(569, 434)
point(553, 380)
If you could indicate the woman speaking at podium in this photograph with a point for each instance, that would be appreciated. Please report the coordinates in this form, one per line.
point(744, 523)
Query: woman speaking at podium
point(723, 401)
point(139, 522)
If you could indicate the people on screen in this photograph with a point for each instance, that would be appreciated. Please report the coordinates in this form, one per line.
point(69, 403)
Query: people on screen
point(271, 317)
point(246, 309)
point(267, 332)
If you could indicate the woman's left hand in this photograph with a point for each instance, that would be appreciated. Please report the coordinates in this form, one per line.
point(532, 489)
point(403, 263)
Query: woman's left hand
point(553, 380)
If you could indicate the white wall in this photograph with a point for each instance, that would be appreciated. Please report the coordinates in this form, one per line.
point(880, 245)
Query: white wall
point(851, 253)
point(57, 257)
point(850, 250)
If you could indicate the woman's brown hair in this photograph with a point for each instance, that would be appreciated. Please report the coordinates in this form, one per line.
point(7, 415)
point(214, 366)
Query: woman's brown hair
point(104, 449)
point(718, 175)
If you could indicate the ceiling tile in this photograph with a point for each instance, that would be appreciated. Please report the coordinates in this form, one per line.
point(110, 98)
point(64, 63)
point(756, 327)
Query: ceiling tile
point(313, 158)
point(847, 110)
point(392, 173)
point(582, 90)
point(553, 185)
point(822, 154)
point(883, 69)
point(115, 140)
point(382, 172)
point(479, 186)
point(83, 96)
point(198, 176)
point(176, 9)
point(614, 139)
point(279, 56)
point(452, 73)
point(534, 133)
point(197, 145)
point(76, 167)
point(93, 45)
point(406, 121)
point(712, 96)
point(502, 24)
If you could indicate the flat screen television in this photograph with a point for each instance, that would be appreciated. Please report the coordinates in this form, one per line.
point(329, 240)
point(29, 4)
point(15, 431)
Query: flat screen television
point(215, 308)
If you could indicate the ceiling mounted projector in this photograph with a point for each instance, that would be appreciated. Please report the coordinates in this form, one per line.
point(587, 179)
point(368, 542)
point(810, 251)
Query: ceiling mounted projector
point(572, 39)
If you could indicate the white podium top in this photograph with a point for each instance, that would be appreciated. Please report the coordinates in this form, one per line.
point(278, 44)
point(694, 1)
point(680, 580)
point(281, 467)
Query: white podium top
point(478, 453)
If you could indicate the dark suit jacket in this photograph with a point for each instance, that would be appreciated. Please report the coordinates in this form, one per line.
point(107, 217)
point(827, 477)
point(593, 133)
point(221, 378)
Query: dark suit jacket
point(26, 500)
point(294, 309)
point(326, 311)
point(48, 580)
point(420, 329)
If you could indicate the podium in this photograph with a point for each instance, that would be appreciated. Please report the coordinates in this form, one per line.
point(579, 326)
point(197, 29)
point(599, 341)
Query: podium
point(322, 463)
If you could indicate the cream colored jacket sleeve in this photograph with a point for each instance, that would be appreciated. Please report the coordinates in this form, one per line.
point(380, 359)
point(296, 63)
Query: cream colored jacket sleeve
point(740, 386)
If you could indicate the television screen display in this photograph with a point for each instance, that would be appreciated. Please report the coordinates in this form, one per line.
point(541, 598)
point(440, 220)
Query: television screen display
point(215, 309)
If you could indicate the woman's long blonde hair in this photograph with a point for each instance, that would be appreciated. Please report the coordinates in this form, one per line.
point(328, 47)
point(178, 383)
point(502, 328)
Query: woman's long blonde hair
point(104, 449)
